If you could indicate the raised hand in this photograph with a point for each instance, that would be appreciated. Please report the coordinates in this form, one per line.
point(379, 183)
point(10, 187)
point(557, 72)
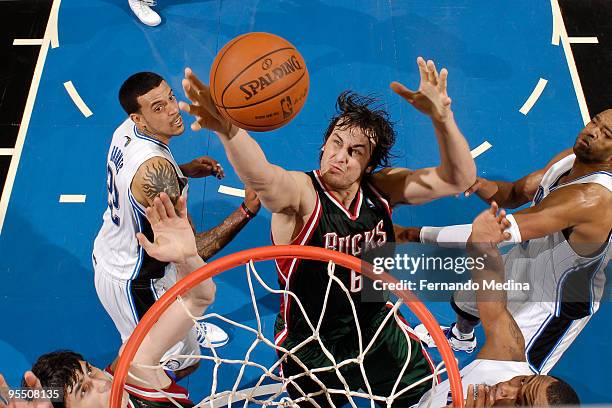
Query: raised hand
point(202, 106)
point(490, 226)
point(173, 237)
point(431, 97)
point(203, 167)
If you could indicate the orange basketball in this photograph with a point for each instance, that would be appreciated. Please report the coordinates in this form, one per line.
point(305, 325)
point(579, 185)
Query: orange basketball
point(259, 81)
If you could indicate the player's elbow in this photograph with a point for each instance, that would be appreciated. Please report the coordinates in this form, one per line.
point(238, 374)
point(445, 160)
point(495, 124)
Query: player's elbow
point(459, 179)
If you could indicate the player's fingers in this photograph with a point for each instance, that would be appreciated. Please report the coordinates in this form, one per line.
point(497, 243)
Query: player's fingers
point(144, 242)
point(494, 207)
point(443, 80)
point(422, 69)
point(194, 78)
point(469, 402)
point(181, 207)
point(168, 205)
point(501, 216)
point(32, 380)
point(159, 208)
point(185, 107)
point(152, 215)
point(432, 72)
point(190, 91)
point(482, 396)
point(195, 126)
point(507, 236)
point(402, 91)
point(506, 223)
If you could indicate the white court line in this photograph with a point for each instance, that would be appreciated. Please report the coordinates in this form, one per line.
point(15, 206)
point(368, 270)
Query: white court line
point(556, 32)
point(25, 120)
point(72, 198)
point(571, 63)
point(76, 98)
point(533, 98)
point(583, 40)
point(7, 152)
point(237, 192)
point(53, 20)
point(28, 41)
point(484, 146)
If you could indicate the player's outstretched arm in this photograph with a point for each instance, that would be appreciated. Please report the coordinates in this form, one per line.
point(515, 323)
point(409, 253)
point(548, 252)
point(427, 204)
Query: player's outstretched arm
point(214, 240)
point(279, 190)
point(457, 170)
point(512, 194)
point(174, 242)
point(504, 340)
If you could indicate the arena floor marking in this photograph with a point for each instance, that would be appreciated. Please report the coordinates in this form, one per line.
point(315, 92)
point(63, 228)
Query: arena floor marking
point(72, 198)
point(54, 22)
point(559, 25)
point(236, 192)
point(27, 112)
point(7, 152)
point(533, 98)
point(28, 41)
point(484, 146)
point(583, 40)
point(76, 98)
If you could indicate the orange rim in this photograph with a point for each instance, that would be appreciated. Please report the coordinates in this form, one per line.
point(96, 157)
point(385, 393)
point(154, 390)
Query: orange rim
point(281, 252)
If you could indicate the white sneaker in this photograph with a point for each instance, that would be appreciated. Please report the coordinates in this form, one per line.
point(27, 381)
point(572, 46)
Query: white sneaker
point(457, 344)
point(142, 9)
point(210, 335)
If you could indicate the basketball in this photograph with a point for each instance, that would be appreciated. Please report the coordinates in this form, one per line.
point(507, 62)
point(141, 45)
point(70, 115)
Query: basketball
point(259, 81)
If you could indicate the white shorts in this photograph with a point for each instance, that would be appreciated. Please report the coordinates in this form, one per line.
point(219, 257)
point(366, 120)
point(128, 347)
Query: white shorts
point(547, 336)
point(127, 301)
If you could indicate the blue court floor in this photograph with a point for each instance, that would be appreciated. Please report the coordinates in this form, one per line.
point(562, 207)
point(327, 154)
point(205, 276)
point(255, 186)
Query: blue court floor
point(495, 51)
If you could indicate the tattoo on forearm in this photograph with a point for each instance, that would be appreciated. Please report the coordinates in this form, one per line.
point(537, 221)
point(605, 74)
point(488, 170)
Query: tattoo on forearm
point(160, 178)
point(211, 242)
point(517, 346)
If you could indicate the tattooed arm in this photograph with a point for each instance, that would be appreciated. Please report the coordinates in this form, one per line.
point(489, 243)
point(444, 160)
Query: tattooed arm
point(153, 177)
point(214, 240)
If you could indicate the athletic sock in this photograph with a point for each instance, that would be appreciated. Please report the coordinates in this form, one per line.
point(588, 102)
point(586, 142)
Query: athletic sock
point(462, 336)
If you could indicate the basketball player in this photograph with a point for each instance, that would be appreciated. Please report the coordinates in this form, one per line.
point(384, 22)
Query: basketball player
point(499, 375)
point(140, 166)
point(89, 387)
point(346, 206)
point(142, 9)
point(566, 235)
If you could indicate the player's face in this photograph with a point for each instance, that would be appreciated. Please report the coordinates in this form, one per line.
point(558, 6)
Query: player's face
point(522, 391)
point(91, 390)
point(159, 112)
point(594, 142)
point(345, 157)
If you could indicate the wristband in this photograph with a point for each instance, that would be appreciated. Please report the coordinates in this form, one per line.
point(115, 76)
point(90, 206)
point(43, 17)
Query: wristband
point(249, 214)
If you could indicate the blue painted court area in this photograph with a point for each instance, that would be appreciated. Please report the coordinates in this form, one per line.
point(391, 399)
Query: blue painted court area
point(495, 52)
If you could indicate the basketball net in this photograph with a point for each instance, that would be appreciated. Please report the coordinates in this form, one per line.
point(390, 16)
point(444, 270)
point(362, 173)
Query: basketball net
point(275, 394)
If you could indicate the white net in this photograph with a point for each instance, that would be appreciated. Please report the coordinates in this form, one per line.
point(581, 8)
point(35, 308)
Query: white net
point(271, 387)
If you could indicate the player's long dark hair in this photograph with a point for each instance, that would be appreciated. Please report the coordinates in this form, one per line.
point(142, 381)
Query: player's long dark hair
point(59, 369)
point(137, 85)
point(365, 112)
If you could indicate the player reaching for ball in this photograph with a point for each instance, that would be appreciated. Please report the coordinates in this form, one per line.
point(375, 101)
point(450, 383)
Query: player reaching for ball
point(342, 206)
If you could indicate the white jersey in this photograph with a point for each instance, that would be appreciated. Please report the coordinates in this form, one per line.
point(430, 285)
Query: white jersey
point(488, 372)
point(567, 284)
point(116, 249)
